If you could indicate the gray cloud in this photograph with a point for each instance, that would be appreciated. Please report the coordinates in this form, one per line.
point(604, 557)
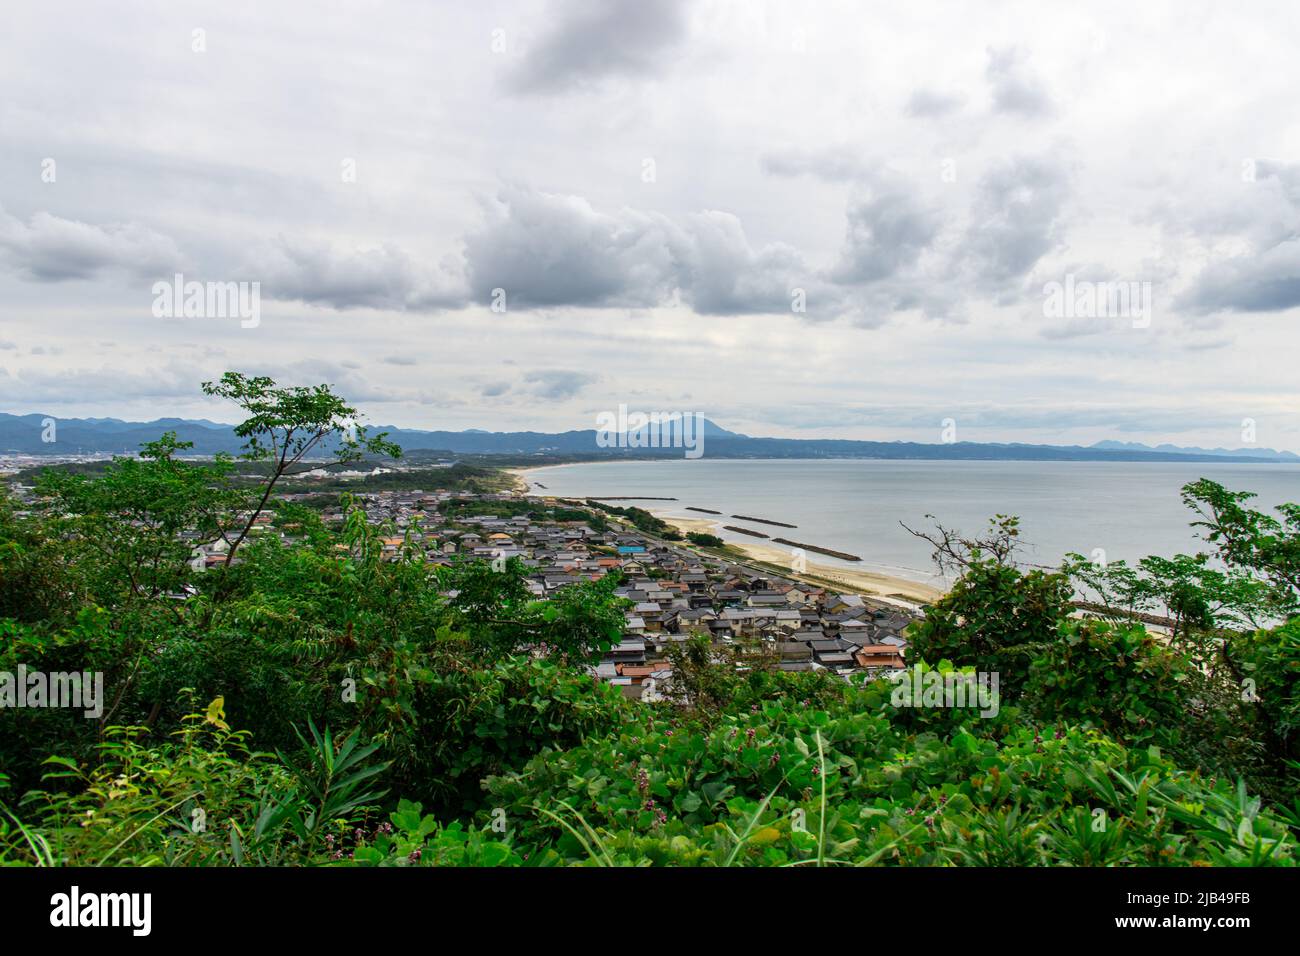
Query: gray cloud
point(34, 386)
point(51, 249)
point(1266, 277)
point(1015, 221)
point(1265, 282)
point(558, 384)
point(1015, 87)
point(354, 384)
point(888, 229)
point(1052, 416)
point(592, 40)
point(1153, 136)
point(323, 273)
point(550, 250)
point(547, 250)
point(721, 273)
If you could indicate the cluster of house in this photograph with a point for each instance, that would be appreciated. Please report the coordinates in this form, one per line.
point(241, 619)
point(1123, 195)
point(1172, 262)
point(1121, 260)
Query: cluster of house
point(674, 592)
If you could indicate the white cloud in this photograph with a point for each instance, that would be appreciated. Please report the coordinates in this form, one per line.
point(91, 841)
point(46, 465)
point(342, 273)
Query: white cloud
point(901, 167)
point(381, 276)
point(48, 248)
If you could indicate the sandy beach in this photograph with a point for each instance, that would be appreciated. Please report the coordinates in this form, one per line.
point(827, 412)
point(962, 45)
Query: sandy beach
point(871, 583)
point(520, 476)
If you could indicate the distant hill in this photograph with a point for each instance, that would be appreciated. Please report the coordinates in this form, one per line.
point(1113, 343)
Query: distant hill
point(21, 434)
point(1267, 454)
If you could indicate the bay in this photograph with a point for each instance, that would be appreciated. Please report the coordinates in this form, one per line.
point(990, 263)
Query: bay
point(1127, 509)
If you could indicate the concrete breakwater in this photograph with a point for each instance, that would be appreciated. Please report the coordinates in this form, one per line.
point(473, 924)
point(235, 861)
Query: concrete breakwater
point(628, 498)
point(842, 555)
point(755, 534)
point(706, 511)
point(779, 524)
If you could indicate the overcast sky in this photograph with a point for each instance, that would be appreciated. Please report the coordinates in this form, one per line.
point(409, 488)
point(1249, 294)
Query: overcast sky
point(655, 185)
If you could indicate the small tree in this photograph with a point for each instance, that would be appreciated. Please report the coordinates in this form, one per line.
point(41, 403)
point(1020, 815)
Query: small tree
point(1193, 597)
point(286, 425)
point(995, 617)
point(953, 552)
point(579, 622)
point(1267, 547)
point(134, 517)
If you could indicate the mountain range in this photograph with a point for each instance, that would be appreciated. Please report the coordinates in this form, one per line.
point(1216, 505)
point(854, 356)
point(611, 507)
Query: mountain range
point(22, 434)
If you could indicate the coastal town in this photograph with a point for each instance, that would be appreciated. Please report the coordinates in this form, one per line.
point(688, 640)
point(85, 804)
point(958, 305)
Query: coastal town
point(673, 590)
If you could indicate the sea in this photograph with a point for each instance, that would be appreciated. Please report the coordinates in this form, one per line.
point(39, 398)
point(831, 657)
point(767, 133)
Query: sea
point(1110, 510)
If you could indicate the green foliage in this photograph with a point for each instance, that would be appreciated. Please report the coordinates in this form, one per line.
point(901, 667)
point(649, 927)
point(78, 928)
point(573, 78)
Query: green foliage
point(333, 777)
point(415, 477)
point(1266, 664)
point(144, 803)
point(1245, 538)
point(38, 581)
point(780, 784)
point(486, 593)
point(1214, 606)
point(92, 642)
point(493, 603)
point(467, 722)
point(1186, 590)
point(705, 540)
point(709, 681)
point(1115, 678)
point(414, 838)
point(286, 425)
point(133, 529)
point(995, 619)
point(640, 519)
point(510, 508)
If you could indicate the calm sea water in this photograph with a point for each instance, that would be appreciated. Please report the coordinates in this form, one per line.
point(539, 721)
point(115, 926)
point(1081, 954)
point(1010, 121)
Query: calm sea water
point(1130, 509)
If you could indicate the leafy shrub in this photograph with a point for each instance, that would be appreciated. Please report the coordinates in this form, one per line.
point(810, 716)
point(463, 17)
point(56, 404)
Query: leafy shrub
point(1115, 678)
point(465, 724)
point(705, 540)
point(995, 618)
point(784, 785)
point(415, 838)
point(1266, 664)
point(142, 803)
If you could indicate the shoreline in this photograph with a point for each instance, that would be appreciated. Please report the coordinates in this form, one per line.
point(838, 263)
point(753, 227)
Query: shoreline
point(519, 477)
point(874, 584)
